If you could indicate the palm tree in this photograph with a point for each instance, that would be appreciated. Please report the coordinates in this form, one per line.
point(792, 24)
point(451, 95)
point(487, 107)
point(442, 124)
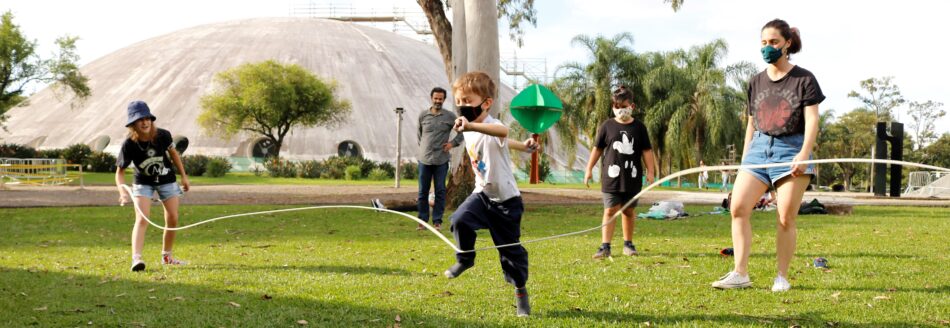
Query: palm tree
point(695, 114)
point(585, 88)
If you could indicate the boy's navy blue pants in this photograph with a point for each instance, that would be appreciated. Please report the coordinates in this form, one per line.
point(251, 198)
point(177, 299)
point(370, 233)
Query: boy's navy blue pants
point(503, 221)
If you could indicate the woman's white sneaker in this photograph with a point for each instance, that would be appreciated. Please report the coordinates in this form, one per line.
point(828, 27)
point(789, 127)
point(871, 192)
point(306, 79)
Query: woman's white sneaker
point(781, 285)
point(732, 280)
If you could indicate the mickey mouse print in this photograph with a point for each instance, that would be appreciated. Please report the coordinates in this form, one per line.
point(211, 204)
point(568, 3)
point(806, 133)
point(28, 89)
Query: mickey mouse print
point(623, 146)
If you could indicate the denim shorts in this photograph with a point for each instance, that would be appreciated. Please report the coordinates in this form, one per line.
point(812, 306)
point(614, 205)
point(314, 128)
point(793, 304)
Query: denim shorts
point(767, 149)
point(165, 191)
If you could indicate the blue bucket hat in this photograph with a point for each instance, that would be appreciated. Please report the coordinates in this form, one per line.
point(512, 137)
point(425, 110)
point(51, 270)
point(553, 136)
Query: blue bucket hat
point(138, 110)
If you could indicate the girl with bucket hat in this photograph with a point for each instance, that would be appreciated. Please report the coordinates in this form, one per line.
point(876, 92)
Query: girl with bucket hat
point(151, 153)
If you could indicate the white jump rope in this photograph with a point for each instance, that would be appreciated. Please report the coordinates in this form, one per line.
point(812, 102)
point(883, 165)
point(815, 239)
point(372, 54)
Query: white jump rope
point(630, 202)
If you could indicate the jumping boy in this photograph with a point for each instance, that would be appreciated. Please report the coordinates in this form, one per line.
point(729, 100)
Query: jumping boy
point(495, 204)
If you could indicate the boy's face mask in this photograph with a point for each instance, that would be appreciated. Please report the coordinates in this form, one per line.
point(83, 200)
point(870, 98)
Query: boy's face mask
point(471, 113)
point(624, 110)
point(623, 113)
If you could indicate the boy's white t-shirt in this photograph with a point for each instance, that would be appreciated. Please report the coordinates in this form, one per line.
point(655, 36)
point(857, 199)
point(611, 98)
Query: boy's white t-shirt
point(491, 163)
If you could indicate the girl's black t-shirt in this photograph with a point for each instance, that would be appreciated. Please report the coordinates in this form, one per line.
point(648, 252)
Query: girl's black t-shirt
point(778, 107)
point(149, 159)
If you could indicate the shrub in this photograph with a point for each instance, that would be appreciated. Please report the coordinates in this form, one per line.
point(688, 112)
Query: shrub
point(218, 166)
point(410, 170)
point(310, 169)
point(279, 168)
point(17, 151)
point(76, 154)
point(388, 168)
point(336, 166)
point(379, 174)
point(544, 169)
point(353, 172)
point(195, 165)
point(50, 153)
point(100, 162)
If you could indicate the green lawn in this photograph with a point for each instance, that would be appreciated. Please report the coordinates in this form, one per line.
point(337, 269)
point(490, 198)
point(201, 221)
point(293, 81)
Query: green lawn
point(244, 178)
point(69, 267)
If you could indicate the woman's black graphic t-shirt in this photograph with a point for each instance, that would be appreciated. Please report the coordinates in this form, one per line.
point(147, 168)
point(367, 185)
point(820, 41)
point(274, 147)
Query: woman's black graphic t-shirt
point(623, 146)
point(151, 163)
point(778, 107)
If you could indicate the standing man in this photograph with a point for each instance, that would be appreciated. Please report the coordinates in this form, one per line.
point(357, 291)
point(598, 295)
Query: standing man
point(435, 126)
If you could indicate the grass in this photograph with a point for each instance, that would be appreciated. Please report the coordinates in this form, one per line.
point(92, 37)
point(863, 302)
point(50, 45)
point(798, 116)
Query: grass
point(69, 267)
point(244, 178)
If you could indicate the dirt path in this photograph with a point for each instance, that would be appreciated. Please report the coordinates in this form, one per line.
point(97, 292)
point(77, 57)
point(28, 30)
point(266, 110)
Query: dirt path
point(32, 196)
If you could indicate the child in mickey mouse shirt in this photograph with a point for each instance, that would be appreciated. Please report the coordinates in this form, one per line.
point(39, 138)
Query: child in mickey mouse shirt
point(624, 142)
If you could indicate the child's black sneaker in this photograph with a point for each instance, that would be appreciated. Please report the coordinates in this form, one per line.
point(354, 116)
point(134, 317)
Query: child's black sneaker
point(602, 252)
point(521, 302)
point(457, 269)
point(629, 249)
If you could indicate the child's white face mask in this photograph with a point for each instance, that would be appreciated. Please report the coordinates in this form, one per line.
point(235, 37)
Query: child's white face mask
point(623, 113)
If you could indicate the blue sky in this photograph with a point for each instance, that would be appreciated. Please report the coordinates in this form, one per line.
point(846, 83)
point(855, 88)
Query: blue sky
point(843, 41)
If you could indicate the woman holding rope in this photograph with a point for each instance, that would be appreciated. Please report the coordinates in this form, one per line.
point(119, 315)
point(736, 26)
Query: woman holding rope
point(782, 127)
point(151, 151)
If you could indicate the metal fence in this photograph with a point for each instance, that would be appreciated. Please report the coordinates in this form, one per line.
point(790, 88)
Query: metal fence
point(38, 171)
point(922, 183)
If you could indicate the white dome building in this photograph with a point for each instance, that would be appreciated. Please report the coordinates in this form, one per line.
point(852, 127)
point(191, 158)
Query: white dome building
point(376, 71)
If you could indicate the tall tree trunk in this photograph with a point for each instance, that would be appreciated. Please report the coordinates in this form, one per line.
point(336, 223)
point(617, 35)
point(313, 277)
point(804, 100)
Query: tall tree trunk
point(480, 20)
point(459, 40)
point(463, 178)
point(847, 182)
point(441, 31)
point(481, 27)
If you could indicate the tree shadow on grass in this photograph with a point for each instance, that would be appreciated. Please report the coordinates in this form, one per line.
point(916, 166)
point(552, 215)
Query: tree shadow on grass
point(832, 255)
point(341, 269)
point(809, 319)
point(57, 299)
point(941, 290)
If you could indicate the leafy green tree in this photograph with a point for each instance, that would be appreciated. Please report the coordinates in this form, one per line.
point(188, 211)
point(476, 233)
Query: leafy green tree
point(585, 88)
point(695, 113)
point(924, 117)
point(938, 152)
point(879, 95)
point(852, 136)
point(269, 98)
point(21, 66)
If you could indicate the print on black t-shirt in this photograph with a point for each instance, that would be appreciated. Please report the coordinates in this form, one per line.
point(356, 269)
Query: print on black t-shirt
point(623, 146)
point(778, 107)
point(151, 163)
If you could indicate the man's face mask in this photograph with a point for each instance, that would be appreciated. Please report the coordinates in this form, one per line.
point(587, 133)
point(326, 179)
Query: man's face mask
point(471, 113)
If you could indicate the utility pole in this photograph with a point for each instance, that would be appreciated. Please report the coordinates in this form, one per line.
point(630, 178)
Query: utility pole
point(399, 112)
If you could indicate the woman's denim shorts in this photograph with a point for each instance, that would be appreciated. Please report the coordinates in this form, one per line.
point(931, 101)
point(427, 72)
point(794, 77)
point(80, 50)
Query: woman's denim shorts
point(165, 191)
point(766, 149)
